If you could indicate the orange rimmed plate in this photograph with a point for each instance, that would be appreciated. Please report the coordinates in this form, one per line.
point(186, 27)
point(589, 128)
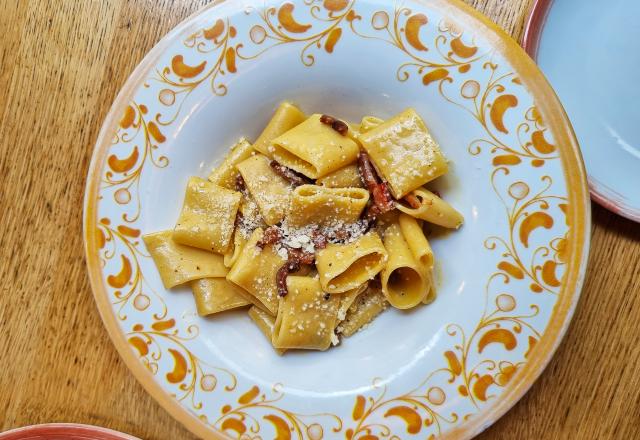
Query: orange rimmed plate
point(64, 431)
point(511, 276)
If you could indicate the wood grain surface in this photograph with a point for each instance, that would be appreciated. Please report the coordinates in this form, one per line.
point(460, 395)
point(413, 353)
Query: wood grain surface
point(62, 63)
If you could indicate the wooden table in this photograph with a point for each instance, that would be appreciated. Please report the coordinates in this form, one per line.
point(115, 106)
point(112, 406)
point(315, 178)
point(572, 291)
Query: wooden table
point(61, 64)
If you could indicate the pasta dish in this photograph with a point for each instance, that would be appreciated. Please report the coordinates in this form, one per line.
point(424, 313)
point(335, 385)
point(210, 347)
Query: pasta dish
point(315, 228)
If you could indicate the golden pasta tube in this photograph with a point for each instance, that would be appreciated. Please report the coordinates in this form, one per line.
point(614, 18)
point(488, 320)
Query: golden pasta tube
point(306, 316)
point(404, 153)
point(345, 177)
point(347, 298)
point(255, 271)
point(179, 264)
point(270, 191)
point(403, 280)
point(314, 149)
point(225, 174)
point(343, 267)
point(234, 251)
point(284, 119)
point(368, 123)
point(208, 216)
point(266, 323)
point(366, 307)
point(418, 243)
point(312, 204)
point(214, 295)
point(354, 131)
point(432, 209)
point(431, 296)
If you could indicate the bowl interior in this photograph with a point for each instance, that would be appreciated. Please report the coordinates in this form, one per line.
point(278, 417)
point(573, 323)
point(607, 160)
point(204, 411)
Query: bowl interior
point(395, 342)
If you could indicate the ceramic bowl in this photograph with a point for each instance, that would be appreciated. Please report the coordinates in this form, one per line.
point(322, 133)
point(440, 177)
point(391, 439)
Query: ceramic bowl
point(509, 279)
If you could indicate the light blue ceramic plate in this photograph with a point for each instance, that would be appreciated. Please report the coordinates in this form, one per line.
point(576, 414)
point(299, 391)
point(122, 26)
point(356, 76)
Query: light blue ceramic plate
point(590, 53)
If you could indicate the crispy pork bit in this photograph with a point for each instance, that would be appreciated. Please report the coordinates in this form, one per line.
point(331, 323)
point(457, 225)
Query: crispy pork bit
point(341, 234)
point(271, 236)
point(338, 125)
point(341, 127)
point(327, 120)
point(319, 240)
point(412, 201)
point(288, 174)
point(382, 198)
point(283, 273)
point(380, 193)
point(296, 258)
point(301, 256)
point(367, 173)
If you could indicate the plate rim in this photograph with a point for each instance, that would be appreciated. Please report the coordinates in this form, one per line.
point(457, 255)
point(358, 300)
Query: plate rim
point(67, 429)
point(573, 170)
point(600, 193)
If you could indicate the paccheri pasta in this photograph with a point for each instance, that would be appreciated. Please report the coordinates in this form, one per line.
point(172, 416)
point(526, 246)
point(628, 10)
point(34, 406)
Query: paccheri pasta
point(315, 229)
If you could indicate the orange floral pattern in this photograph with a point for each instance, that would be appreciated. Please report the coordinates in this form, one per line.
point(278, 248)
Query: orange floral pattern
point(129, 285)
point(253, 406)
point(189, 373)
point(134, 146)
point(434, 64)
point(472, 376)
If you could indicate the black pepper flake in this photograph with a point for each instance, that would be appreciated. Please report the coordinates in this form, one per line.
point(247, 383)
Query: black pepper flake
point(197, 267)
point(327, 296)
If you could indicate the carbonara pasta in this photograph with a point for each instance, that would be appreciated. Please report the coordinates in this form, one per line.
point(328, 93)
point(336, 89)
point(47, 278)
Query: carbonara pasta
point(314, 229)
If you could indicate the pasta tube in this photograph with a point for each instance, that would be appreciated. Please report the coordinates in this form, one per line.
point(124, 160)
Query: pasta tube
point(343, 267)
point(270, 191)
point(225, 174)
point(215, 295)
point(179, 264)
point(306, 316)
point(314, 149)
point(433, 209)
point(208, 216)
point(404, 153)
point(403, 280)
point(284, 119)
point(255, 271)
point(325, 206)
